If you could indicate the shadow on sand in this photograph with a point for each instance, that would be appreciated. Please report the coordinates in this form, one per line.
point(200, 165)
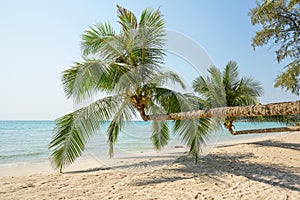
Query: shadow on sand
point(213, 165)
point(272, 143)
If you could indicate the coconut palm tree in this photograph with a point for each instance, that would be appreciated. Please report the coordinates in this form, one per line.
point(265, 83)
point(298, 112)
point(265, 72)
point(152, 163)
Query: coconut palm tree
point(127, 67)
point(225, 88)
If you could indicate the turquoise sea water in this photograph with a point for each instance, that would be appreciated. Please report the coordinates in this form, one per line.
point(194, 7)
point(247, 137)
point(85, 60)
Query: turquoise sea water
point(27, 141)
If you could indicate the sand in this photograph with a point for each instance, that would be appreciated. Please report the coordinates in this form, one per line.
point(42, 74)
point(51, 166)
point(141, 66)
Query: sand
point(264, 169)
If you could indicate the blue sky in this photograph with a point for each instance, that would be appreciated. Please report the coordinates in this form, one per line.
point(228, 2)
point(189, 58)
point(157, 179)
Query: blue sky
point(39, 39)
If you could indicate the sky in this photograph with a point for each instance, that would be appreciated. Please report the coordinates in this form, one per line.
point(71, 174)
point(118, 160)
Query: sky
point(40, 39)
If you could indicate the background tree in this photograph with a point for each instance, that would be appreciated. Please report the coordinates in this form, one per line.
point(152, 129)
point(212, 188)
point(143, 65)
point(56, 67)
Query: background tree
point(227, 89)
point(280, 24)
point(220, 89)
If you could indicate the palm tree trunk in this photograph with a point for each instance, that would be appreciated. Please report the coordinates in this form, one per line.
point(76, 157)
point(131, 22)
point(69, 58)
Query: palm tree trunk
point(143, 114)
point(267, 130)
point(281, 108)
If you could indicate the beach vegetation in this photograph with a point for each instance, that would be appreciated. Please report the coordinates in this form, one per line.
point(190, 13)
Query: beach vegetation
point(279, 22)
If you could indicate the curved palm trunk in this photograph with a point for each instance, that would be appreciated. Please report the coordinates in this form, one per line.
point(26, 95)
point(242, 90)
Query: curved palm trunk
point(143, 114)
point(267, 130)
point(281, 108)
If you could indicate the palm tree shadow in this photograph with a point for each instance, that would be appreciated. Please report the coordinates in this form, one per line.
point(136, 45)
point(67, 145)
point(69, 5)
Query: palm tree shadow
point(96, 169)
point(214, 166)
point(209, 167)
point(136, 163)
point(272, 143)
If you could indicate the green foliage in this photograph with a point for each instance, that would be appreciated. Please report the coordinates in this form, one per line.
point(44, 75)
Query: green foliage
point(280, 24)
point(123, 114)
point(220, 89)
point(227, 88)
point(160, 134)
point(290, 79)
point(193, 134)
point(73, 130)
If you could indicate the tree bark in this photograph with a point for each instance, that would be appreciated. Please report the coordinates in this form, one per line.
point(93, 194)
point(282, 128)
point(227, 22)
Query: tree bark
point(267, 130)
point(281, 108)
point(143, 114)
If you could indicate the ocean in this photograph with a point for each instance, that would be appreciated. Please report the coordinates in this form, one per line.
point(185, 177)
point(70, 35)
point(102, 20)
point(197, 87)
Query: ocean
point(27, 141)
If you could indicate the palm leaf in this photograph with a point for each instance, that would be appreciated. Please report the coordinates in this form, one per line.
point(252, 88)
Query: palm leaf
point(163, 77)
point(170, 100)
point(231, 74)
point(193, 134)
point(86, 78)
point(160, 129)
point(73, 130)
point(127, 19)
point(160, 134)
point(246, 92)
point(211, 87)
point(97, 36)
point(280, 119)
point(152, 28)
point(227, 89)
point(124, 113)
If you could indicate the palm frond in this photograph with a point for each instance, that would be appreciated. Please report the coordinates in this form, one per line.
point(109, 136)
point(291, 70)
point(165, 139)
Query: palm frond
point(97, 36)
point(170, 100)
point(127, 19)
point(193, 134)
point(73, 130)
point(227, 89)
point(151, 38)
point(150, 18)
point(160, 129)
point(163, 77)
point(124, 113)
point(91, 76)
point(200, 86)
point(152, 28)
point(160, 134)
point(246, 92)
point(280, 119)
point(211, 87)
point(230, 74)
point(86, 78)
point(127, 82)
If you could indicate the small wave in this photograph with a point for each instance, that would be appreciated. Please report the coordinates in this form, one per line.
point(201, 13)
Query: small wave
point(11, 157)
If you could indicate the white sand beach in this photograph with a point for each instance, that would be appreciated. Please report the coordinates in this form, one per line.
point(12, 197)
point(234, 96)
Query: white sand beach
point(268, 168)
